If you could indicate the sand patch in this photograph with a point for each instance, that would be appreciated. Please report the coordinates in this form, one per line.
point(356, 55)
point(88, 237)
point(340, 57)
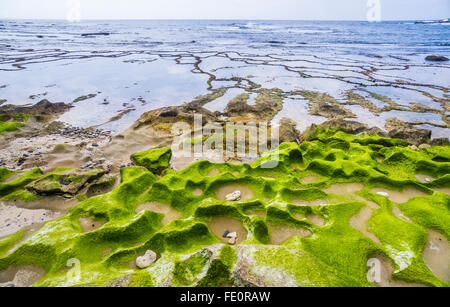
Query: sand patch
point(309, 179)
point(169, 213)
point(344, 188)
point(88, 224)
point(13, 219)
point(246, 192)
point(436, 255)
point(424, 178)
point(281, 233)
point(23, 276)
point(359, 221)
point(197, 192)
point(399, 196)
point(316, 220)
point(214, 172)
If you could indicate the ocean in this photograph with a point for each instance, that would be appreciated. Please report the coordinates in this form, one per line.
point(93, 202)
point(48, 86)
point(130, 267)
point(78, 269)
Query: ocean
point(106, 68)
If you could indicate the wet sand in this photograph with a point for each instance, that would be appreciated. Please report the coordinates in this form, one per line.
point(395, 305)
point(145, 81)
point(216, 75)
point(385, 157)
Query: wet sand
point(281, 233)
point(13, 219)
point(400, 196)
point(437, 255)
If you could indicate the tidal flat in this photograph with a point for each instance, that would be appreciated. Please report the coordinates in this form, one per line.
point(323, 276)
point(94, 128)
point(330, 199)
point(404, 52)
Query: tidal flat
point(90, 176)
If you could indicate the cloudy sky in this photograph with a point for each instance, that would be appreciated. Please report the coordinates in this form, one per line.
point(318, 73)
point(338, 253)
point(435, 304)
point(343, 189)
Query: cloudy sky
point(225, 9)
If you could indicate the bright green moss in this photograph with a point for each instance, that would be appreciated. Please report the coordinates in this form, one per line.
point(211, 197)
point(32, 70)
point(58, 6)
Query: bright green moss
point(17, 185)
point(10, 126)
point(335, 254)
point(155, 160)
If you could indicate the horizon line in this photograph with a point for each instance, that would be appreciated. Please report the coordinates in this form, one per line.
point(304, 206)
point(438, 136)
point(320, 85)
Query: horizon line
point(214, 19)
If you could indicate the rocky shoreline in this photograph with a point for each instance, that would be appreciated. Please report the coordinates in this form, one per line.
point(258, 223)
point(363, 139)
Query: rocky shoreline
point(46, 164)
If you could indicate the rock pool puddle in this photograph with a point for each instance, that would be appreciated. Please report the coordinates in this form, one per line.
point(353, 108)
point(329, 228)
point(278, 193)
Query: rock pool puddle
point(309, 179)
point(399, 196)
point(344, 188)
point(282, 233)
point(88, 224)
point(380, 270)
point(246, 192)
point(359, 222)
point(169, 213)
point(424, 178)
point(436, 255)
point(221, 225)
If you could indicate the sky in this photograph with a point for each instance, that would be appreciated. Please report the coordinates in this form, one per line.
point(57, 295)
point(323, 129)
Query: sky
point(225, 9)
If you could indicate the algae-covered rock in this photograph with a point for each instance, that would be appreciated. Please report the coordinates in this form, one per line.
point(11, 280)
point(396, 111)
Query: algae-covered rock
point(288, 131)
point(65, 181)
point(155, 160)
point(349, 172)
point(347, 126)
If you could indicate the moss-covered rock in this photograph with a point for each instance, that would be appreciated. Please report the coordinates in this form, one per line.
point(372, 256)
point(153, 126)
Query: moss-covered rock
point(155, 160)
point(190, 251)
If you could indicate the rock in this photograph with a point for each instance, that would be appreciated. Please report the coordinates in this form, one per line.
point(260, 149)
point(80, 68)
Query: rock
point(436, 58)
point(267, 104)
point(147, 260)
point(225, 233)
point(235, 196)
point(330, 110)
point(155, 160)
point(347, 126)
point(423, 146)
point(378, 131)
point(249, 273)
point(233, 238)
point(95, 34)
point(66, 181)
point(383, 194)
point(43, 107)
point(411, 135)
point(439, 142)
point(414, 147)
point(288, 131)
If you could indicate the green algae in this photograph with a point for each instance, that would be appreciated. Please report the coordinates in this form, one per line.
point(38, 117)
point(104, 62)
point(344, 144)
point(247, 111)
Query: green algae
point(155, 160)
point(10, 126)
point(334, 255)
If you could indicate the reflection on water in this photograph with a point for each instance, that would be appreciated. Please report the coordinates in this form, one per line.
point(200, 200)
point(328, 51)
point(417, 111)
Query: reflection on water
point(144, 65)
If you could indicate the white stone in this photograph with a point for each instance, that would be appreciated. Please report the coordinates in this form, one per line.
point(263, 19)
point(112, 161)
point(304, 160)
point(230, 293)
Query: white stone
point(147, 260)
point(383, 194)
point(235, 196)
point(233, 238)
